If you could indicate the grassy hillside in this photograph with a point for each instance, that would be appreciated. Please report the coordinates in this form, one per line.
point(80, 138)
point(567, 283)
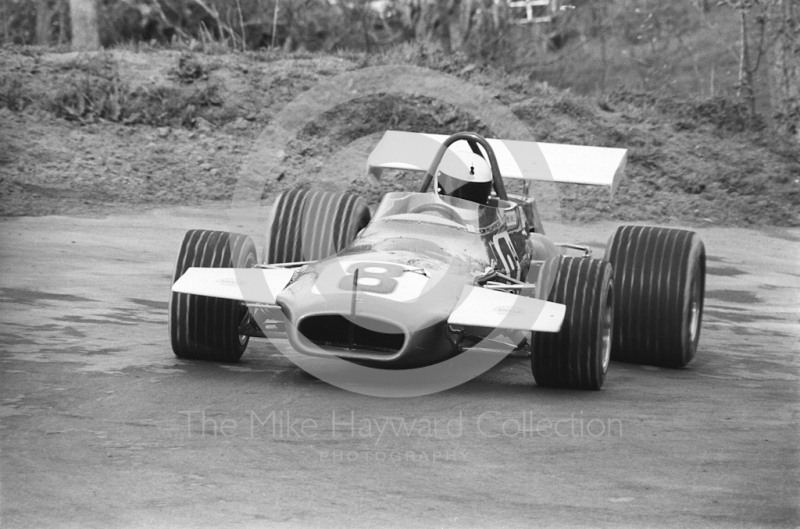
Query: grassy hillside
point(94, 133)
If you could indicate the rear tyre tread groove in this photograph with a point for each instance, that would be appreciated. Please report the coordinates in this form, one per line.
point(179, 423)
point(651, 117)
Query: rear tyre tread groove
point(312, 225)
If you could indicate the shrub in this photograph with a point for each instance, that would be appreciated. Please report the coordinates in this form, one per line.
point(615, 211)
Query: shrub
point(88, 98)
point(190, 69)
point(91, 88)
point(13, 94)
point(162, 105)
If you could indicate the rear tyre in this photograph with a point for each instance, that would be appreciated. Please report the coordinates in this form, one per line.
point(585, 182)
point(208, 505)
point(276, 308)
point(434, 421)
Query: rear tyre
point(312, 225)
point(660, 276)
point(578, 356)
point(201, 327)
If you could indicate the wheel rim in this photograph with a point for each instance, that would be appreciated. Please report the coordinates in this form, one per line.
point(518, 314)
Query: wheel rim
point(244, 320)
point(244, 311)
point(605, 332)
point(694, 312)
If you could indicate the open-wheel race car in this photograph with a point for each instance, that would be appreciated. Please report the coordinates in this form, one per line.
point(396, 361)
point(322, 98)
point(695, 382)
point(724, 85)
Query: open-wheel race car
point(457, 265)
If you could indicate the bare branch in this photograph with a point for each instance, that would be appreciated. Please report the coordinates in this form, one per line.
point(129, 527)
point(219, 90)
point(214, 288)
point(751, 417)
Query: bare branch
point(213, 13)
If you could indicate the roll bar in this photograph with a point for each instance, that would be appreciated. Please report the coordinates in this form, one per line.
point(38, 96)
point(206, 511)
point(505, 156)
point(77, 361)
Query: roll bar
point(473, 139)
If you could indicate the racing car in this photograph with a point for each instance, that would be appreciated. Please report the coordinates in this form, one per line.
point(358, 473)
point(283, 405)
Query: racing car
point(459, 264)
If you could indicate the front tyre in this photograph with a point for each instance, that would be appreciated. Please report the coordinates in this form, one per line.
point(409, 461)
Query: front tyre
point(201, 327)
point(578, 356)
point(660, 275)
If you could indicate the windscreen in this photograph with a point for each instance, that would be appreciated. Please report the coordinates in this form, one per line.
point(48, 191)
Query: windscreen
point(442, 210)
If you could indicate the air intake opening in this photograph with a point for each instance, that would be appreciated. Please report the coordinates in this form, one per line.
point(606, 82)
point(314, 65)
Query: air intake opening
point(360, 333)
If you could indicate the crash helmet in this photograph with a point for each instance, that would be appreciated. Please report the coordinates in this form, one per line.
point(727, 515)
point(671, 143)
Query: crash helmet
point(465, 175)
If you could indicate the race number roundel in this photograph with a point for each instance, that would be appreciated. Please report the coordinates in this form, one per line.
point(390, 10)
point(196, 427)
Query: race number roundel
point(377, 278)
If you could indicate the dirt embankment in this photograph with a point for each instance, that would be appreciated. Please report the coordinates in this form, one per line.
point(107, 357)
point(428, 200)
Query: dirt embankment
point(88, 134)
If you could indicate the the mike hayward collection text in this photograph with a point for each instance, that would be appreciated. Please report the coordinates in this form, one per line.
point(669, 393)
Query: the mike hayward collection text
point(285, 424)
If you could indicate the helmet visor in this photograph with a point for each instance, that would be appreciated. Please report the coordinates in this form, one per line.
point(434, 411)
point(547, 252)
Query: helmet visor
point(455, 187)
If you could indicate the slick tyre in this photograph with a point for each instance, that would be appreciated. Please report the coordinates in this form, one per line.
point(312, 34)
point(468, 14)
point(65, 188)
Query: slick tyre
point(578, 356)
point(205, 328)
point(660, 275)
point(312, 225)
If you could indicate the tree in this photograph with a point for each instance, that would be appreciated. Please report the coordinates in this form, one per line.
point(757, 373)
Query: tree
point(43, 16)
point(85, 32)
point(753, 45)
point(786, 95)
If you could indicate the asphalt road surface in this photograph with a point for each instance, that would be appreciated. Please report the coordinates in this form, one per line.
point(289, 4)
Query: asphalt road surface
point(101, 426)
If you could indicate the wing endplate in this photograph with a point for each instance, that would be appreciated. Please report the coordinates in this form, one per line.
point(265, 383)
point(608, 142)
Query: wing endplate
point(550, 162)
point(255, 285)
point(482, 307)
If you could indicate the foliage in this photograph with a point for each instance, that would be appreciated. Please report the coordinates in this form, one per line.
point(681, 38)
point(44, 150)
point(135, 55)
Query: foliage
point(12, 93)
point(190, 68)
point(20, 22)
point(92, 90)
point(87, 98)
point(655, 23)
point(682, 46)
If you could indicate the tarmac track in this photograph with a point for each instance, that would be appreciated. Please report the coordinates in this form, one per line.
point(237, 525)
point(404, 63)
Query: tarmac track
point(101, 426)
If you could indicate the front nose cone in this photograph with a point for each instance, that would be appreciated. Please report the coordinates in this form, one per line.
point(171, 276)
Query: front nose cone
point(396, 314)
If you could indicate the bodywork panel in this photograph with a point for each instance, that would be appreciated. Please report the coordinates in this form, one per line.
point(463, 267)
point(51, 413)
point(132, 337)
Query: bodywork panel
point(403, 278)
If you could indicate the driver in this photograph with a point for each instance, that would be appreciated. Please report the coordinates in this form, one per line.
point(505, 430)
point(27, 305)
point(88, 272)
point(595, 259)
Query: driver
point(468, 177)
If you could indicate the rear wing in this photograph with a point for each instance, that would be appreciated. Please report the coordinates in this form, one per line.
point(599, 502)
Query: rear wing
point(548, 162)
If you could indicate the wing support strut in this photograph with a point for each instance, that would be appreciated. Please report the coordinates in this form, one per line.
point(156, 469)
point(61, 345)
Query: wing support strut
point(353, 311)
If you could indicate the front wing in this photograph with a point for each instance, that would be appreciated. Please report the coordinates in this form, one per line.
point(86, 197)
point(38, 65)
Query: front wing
point(478, 307)
point(256, 285)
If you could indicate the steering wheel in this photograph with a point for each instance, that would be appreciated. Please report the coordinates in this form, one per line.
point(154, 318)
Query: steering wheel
point(441, 209)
